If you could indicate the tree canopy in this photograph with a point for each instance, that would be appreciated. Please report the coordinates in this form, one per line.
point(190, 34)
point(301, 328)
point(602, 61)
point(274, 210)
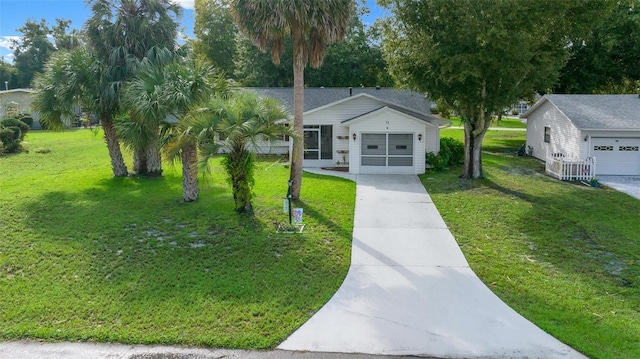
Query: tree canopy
point(607, 58)
point(216, 35)
point(481, 57)
point(34, 48)
point(355, 61)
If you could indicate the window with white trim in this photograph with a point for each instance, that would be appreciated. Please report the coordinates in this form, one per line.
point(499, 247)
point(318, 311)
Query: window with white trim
point(547, 134)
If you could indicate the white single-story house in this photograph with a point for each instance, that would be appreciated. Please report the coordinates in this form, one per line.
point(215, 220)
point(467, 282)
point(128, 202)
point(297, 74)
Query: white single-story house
point(368, 130)
point(604, 127)
point(22, 99)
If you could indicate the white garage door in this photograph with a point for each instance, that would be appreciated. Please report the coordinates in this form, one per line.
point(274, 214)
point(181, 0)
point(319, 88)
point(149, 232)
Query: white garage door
point(616, 156)
point(387, 153)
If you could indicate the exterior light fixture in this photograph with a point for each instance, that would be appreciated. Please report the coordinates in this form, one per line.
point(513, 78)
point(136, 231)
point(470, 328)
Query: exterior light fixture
point(419, 137)
point(354, 136)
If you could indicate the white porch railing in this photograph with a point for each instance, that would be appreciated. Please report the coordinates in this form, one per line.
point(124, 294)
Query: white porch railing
point(570, 169)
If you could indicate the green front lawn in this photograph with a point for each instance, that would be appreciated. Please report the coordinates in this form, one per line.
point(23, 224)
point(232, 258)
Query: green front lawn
point(84, 256)
point(565, 256)
point(506, 122)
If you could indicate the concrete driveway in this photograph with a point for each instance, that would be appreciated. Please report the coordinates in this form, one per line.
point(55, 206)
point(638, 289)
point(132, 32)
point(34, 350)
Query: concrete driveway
point(627, 184)
point(410, 291)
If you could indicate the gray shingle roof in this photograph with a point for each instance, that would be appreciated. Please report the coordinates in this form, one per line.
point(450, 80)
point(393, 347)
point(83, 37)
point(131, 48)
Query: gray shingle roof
point(315, 97)
point(602, 112)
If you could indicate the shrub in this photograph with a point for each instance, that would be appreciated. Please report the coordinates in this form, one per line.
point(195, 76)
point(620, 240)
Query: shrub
point(455, 149)
point(436, 162)
point(14, 122)
point(26, 118)
point(10, 138)
point(451, 153)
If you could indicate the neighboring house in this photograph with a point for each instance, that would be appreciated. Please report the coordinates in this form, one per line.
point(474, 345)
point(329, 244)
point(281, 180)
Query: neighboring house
point(605, 127)
point(24, 97)
point(368, 130)
point(21, 97)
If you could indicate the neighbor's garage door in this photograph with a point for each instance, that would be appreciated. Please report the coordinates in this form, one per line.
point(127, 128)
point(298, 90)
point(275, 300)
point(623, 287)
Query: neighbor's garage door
point(390, 153)
point(616, 156)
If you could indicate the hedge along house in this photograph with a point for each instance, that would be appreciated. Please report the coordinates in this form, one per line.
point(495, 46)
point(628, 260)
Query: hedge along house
point(604, 127)
point(368, 130)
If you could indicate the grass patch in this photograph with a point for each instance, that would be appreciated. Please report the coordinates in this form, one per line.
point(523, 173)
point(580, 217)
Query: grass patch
point(565, 256)
point(506, 122)
point(88, 257)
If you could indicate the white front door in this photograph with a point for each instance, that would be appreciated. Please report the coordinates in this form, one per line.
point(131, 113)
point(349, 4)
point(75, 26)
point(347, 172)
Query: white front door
point(616, 155)
point(383, 153)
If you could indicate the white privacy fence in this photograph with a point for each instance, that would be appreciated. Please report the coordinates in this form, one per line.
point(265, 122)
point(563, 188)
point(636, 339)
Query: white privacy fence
point(570, 169)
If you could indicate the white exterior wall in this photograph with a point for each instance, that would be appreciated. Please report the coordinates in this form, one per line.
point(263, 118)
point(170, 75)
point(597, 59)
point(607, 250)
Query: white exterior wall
point(345, 149)
point(390, 121)
point(565, 137)
point(279, 147)
point(432, 138)
point(334, 115)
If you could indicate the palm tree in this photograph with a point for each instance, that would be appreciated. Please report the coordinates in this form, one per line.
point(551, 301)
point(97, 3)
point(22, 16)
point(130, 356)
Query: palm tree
point(144, 100)
point(188, 85)
point(168, 86)
point(76, 77)
point(121, 33)
point(312, 24)
point(237, 126)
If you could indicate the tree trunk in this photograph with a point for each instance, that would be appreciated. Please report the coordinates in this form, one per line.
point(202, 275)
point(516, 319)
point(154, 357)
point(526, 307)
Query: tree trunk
point(113, 145)
point(190, 188)
point(297, 152)
point(474, 131)
point(154, 160)
point(140, 161)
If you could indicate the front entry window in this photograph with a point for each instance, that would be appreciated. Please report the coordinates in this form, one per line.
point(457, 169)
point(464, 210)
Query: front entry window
point(318, 142)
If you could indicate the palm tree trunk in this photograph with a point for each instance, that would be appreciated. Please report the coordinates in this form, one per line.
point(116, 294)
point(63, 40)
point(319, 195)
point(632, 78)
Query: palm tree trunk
point(297, 151)
point(239, 165)
point(190, 188)
point(113, 145)
point(154, 160)
point(140, 161)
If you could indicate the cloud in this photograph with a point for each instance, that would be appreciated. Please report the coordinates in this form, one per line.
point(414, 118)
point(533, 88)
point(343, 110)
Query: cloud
point(8, 58)
point(187, 4)
point(5, 41)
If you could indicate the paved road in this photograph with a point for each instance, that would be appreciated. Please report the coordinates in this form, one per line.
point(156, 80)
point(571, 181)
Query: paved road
point(37, 350)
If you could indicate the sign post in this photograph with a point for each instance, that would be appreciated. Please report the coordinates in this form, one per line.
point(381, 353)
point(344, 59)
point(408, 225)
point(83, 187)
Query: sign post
point(288, 199)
